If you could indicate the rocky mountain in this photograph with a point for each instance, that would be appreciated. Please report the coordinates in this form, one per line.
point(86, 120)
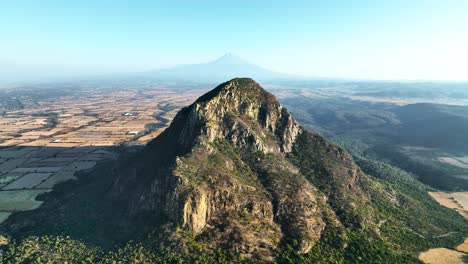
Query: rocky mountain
point(224, 68)
point(235, 178)
point(235, 167)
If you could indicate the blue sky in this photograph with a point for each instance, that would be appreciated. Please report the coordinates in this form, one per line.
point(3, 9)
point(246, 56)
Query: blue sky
point(351, 39)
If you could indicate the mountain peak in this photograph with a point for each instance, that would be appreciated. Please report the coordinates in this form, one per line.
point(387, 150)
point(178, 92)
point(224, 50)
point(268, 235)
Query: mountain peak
point(230, 59)
point(224, 68)
point(239, 111)
point(240, 86)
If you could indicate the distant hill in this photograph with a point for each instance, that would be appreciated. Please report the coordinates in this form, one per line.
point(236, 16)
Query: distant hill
point(226, 67)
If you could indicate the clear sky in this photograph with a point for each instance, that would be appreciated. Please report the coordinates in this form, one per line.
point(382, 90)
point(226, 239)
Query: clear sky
point(395, 39)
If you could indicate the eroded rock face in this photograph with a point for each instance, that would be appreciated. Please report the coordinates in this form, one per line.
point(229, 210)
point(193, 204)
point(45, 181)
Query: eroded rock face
point(245, 114)
point(199, 205)
point(196, 211)
point(220, 191)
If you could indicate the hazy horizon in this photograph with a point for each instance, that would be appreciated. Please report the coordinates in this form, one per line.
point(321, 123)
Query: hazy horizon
point(398, 40)
point(241, 131)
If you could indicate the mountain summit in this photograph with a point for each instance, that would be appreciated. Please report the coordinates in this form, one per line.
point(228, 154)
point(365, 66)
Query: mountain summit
point(230, 58)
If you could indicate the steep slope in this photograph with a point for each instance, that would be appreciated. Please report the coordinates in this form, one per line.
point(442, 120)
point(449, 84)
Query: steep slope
point(228, 168)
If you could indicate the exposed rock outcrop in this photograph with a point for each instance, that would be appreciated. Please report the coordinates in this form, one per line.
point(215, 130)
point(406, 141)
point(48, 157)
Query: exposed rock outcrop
point(243, 113)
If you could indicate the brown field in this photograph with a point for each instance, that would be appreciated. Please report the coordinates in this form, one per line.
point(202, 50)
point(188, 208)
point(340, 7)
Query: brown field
point(441, 256)
point(463, 247)
point(36, 154)
point(457, 201)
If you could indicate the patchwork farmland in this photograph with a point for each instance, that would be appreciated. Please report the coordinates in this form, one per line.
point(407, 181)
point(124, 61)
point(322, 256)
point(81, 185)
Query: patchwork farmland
point(47, 141)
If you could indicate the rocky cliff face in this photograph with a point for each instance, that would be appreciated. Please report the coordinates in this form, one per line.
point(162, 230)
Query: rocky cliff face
point(241, 112)
point(233, 169)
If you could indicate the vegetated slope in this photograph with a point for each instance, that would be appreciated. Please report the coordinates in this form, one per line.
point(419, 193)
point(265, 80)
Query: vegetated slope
point(420, 124)
point(433, 125)
point(236, 178)
point(440, 127)
point(383, 131)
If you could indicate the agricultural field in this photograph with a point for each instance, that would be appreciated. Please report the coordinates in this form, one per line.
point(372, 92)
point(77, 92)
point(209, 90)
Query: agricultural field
point(52, 134)
point(442, 256)
point(457, 201)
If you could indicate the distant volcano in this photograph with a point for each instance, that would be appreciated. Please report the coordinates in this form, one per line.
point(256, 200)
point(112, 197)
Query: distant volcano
point(226, 67)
